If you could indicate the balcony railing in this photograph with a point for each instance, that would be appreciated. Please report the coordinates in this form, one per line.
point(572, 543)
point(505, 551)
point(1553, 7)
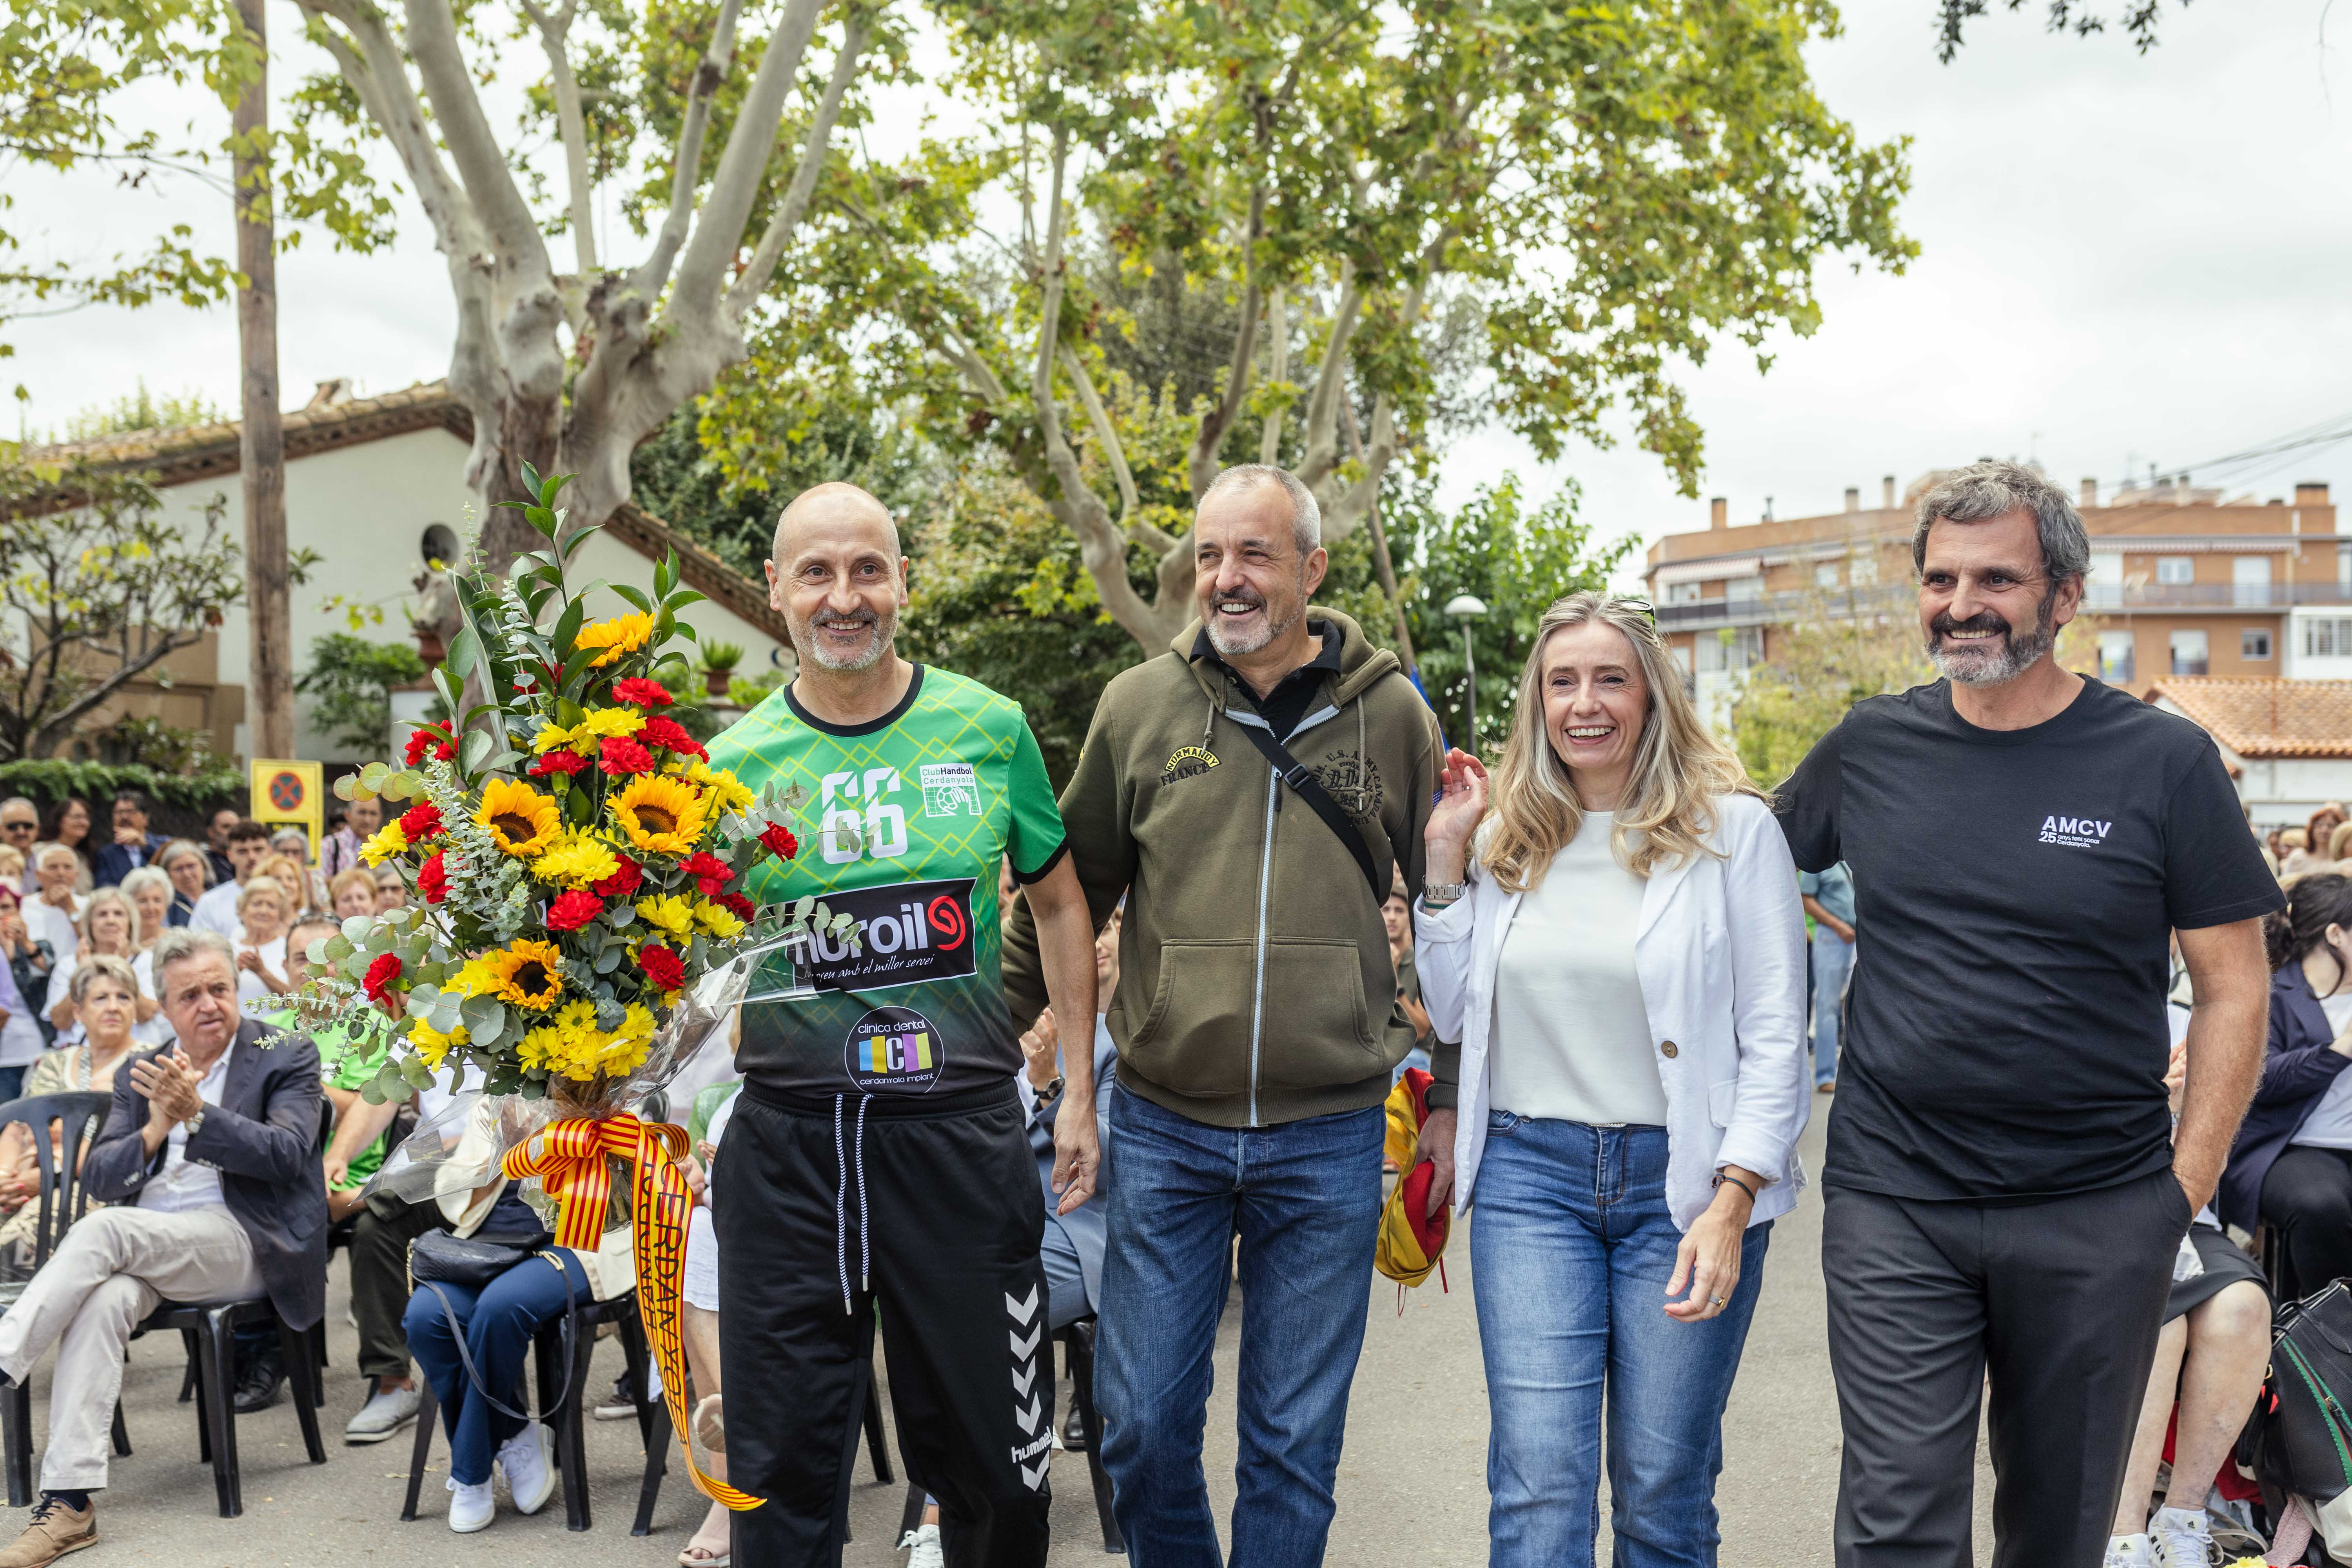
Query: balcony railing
point(1775, 609)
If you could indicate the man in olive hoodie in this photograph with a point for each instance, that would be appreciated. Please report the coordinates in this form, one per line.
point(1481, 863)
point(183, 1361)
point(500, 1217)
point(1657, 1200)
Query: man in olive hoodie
point(1255, 1019)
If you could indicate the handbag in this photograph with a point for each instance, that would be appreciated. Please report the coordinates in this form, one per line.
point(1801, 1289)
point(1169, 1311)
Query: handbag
point(472, 1262)
point(2299, 1440)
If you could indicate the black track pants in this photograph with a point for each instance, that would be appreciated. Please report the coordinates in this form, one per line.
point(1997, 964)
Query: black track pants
point(950, 1256)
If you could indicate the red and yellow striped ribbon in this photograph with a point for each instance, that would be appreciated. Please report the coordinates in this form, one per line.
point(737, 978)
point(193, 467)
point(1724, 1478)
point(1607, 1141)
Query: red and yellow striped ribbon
point(570, 1158)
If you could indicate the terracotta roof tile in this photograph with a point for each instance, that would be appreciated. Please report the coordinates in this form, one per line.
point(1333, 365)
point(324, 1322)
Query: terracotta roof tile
point(2267, 718)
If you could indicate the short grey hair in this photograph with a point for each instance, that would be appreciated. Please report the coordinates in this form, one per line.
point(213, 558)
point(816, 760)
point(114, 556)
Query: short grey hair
point(180, 849)
point(1305, 517)
point(97, 966)
point(183, 943)
point(1991, 488)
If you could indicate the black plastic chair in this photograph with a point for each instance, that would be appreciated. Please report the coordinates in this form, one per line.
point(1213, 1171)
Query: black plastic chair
point(569, 1341)
point(62, 1200)
point(208, 1329)
point(1077, 1346)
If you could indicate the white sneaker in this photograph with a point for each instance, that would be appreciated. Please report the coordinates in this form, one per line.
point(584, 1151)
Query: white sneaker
point(2128, 1551)
point(470, 1506)
point(2183, 1538)
point(925, 1544)
point(530, 1480)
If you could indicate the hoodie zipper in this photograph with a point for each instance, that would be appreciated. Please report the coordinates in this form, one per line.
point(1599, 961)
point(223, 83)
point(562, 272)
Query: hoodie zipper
point(1265, 883)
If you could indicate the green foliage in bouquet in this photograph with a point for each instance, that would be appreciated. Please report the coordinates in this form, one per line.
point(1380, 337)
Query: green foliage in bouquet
point(574, 863)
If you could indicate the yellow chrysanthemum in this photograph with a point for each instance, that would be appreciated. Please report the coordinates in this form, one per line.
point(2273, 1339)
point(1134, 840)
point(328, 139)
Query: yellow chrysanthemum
point(575, 859)
point(669, 912)
point(571, 1045)
point(620, 635)
point(594, 726)
point(431, 1044)
point(661, 815)
point(723, 787)
point(529, 973)
point(388, 841)
point(555, 735)
point(717, 919)
point(520, 820)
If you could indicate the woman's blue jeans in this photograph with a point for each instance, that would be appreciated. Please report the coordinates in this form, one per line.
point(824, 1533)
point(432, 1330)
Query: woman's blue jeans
point(1570, 1250)
point(499, 1321)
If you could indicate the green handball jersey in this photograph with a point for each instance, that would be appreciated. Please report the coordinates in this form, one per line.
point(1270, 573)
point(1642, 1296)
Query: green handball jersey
point(905, 823)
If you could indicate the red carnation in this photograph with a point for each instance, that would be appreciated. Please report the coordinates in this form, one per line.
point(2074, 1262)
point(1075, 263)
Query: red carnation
point(558, 761)
point(643, 692)
point(619, 755)
point(779, 840)
point(380, 976)
point(710, 872)
point(662, 968)
point(622, 882)
point(433, 880)
point(573, 910)
point(736, 902)
point(419, 823)
point(671, 736)
point(422, 739)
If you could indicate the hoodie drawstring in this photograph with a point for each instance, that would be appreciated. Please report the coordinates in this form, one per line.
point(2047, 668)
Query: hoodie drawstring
point(844, 1156)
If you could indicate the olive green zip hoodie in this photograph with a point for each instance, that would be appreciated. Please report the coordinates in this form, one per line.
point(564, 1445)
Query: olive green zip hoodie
point(1255, 984)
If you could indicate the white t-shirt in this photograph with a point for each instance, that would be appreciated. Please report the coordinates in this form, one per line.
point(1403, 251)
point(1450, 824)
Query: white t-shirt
point(182, 1184)
point(44, 921)
point(249, 987)
point(216, 911)
point(153, 1032)
point(2329, 1125)
point(157, 1030)
point(1571, 1033)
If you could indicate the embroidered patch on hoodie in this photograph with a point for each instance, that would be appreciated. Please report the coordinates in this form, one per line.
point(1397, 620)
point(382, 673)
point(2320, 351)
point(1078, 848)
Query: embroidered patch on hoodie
point(1189, 762)
point(1354, 781)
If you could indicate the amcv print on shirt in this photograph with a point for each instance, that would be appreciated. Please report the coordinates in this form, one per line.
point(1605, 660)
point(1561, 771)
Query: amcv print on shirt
point(904, 825)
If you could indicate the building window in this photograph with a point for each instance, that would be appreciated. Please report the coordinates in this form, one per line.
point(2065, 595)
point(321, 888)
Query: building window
point(439, 544)
point(2115, 658)
point(1825, 574)
point(2104, 589)
point(2254, 642)
point(2328, 636)
point(1743, 590)
point(1861, 566)
point(1733, 649)
point(2189, 653)
point(1682, 593)
point(2250, 579)
point(2174, 569)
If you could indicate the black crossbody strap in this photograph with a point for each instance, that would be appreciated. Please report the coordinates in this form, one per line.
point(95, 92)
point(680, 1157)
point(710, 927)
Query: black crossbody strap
point(1309, 788)
point(465, 1357)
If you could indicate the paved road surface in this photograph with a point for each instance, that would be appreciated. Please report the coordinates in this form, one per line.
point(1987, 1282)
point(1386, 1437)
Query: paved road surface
point(1411, 1483)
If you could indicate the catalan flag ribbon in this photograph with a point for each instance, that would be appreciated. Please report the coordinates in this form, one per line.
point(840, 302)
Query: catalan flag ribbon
point(570, 1158)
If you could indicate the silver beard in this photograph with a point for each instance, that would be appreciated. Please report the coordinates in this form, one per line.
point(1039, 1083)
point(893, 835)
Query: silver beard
point(2001, 662)
point(886, 631)
point(1227, 644)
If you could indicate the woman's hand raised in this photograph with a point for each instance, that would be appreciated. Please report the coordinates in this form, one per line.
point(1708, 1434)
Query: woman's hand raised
point(1460, 808)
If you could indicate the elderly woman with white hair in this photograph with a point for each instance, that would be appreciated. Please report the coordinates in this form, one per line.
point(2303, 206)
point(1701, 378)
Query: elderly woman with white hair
point(1617, 946)
point(109, 928)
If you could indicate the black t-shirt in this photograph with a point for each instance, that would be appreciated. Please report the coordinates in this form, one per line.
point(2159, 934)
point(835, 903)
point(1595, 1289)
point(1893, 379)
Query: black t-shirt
point(2017, 890)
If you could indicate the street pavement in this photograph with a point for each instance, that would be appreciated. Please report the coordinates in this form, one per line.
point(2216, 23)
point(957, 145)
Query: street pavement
point(1411, 1483)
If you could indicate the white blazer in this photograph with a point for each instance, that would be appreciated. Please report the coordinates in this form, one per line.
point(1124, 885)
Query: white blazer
point(1721, 953)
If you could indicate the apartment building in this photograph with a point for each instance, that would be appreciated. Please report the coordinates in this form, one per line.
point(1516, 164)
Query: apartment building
point(2182, 583)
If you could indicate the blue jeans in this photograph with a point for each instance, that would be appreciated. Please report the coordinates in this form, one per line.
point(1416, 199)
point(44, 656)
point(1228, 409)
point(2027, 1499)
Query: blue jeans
point(1833, 961)
point(1570, 1250)
point(12, 1081)
point(499, 1321)
point(1306, 1198)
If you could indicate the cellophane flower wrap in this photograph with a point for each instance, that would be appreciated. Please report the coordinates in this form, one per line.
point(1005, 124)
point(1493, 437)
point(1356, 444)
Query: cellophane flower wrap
point(576, 926)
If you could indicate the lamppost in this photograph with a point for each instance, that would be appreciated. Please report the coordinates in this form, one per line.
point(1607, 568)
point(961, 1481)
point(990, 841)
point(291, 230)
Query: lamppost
point(1466, 608)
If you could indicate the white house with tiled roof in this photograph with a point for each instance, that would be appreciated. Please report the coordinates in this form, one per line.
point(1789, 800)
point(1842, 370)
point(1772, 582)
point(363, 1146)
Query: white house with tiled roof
point(375, 486)
point(2288, 742)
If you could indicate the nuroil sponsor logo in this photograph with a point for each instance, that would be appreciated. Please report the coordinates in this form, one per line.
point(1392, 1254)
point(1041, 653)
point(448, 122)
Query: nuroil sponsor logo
point(908, 933)
point(2083, 832)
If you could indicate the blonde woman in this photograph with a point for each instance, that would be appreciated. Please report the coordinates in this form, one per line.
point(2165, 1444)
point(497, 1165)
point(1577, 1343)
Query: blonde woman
point(109, 928)
point(264, 910)
point(352, 892)
point(1617, 944)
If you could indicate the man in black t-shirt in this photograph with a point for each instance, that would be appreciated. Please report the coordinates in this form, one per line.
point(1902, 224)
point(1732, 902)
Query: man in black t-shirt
point(2003, 1186)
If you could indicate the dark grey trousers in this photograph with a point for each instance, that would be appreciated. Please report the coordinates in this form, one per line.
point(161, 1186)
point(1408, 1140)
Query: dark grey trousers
point(380, 1279)
point(2061, 1302)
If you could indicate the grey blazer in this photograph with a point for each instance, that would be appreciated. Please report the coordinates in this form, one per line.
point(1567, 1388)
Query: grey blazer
point(263, 1139)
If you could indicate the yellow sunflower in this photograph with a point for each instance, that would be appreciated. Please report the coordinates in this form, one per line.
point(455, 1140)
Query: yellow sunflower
point(620, 635)
point(528, 975)
point(521, 821)
point(669, 912)
point(723, 786)
point(388, 841)
point(661, 815)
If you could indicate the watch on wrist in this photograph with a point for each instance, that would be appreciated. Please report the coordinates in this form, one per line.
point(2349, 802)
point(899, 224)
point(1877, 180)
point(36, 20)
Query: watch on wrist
point(1445, 892)
point(196, 1122)
point(1052, 1091)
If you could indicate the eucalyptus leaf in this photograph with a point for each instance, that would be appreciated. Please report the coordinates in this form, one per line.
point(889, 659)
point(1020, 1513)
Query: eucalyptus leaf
point(478, 745)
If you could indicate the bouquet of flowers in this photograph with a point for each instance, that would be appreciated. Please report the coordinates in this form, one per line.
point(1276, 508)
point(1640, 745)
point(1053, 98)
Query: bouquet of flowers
point(575, 868)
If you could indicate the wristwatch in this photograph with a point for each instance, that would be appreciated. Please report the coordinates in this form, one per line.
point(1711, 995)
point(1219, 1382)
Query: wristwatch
point(1052, 1091)
point(196, 1122)
point(1445, 892)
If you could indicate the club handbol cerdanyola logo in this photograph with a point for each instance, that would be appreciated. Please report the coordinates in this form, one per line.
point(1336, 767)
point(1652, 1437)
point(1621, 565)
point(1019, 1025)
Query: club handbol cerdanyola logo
point(2079, 831)
point(950, 789)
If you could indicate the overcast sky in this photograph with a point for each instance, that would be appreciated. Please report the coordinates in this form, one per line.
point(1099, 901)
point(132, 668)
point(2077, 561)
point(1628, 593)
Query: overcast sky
point(2124, 258)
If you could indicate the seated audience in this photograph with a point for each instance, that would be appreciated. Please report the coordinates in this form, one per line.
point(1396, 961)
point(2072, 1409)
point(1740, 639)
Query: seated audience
point(23, 1035)
point(191, 869)
point(2208, 1369)
point(289, 849)
point(2291, 1166)
point(352, 892)
point(341, 852)
point(130, 846)
point(206, 1163)
point(105, 994)
point(108, 928)
point(263, 908)
point(53, 915)
point(391, 892)
point(479, 1384)
point(248, 843)
point(68, 827)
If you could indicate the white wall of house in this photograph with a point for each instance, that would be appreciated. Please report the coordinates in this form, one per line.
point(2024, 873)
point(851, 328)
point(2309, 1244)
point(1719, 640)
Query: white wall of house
point(365, 509)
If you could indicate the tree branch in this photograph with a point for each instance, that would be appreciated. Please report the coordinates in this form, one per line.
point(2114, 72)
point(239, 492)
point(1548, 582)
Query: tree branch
point(572, 126)
point(1277, 369)
point(482, 167)
point(1322, 454)
point(1202, 464)
point(1380, 561)
point(788, 214)
point(1099, 420)
point(718, 233)
point(686, 171)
